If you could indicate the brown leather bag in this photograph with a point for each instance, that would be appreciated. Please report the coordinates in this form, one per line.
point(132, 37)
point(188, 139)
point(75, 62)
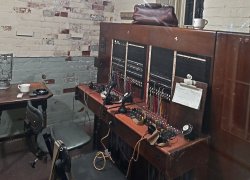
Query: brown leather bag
point(154, 14)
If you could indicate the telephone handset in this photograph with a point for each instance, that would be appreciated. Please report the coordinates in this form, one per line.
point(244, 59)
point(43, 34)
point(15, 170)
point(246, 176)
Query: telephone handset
point(108, 99)
point(127, 97)
point(96, 87)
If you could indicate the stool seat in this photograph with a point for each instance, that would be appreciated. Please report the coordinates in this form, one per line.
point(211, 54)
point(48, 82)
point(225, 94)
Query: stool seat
point(70, 133)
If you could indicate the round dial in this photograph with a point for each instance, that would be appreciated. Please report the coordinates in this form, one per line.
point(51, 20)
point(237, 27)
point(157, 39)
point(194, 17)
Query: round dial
point(185, 127)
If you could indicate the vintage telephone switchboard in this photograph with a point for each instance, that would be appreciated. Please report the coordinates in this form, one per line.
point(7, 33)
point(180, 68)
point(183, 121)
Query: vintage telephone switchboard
point(141, 69)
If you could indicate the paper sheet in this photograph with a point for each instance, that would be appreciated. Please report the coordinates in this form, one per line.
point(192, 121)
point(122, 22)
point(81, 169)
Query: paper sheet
point(187, 96)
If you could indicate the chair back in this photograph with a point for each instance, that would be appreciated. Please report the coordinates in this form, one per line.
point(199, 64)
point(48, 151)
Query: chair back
point(34, 118)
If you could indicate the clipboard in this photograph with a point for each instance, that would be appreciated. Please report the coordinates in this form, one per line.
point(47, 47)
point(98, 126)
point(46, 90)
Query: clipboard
point(187, 94)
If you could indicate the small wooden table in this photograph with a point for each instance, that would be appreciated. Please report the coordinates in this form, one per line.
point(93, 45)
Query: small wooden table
point(9, 100)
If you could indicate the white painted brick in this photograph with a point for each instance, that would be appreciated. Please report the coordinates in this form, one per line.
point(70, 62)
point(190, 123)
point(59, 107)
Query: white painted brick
point(38, 29)
point(214, 3)
point(79, 28)
point(63, 42)
point(94, 39)
point(76, 35)
point(84, 16)
point(48, 30)
point(47, 39)
point(7, 18)
point(5, 50)
point(240, 12)
point(64, 25)
point(84, 47)
point(109, 14)
point(227, 12)
point(237, 3)
point(60, 52)
point(94, 53)
point(6, 47)
point(18, 3)
point(27, 41)
point(6, 9)
point(25, 32)
point(46, 48)
point(31, 17)
point(29, 23)
point(36, 13)
point(38, 34)
point(27, 47)
point(49, 24)
point(8, 41)
point(75, 53)
point(7, 6)
point(228, 21)
point(63, 36)
point(50, 19)
point(84, 22)
point(65, 48)
point(77, 4)
point(214, 12)
point(227, 15)
point(57, 19)
point(8, 34)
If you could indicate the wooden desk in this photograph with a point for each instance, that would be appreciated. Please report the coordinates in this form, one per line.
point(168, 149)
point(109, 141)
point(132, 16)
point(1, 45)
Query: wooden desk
point(92, 99)
point(174, 160)
point(9, 100)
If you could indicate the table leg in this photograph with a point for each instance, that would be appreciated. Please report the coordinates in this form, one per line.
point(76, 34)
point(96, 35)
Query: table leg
point(44, 109)
point(43, 105)
point(0, 116)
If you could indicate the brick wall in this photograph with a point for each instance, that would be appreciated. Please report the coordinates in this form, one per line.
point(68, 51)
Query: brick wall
point(228, 15)
point(52, 28)
point(71, 27)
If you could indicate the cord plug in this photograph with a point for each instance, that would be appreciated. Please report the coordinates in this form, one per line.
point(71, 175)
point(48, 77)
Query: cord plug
point(107, 153)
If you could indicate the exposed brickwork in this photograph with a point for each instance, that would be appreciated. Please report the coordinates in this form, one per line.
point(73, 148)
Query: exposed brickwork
point(64, 14)
point(96, 17)
point(69, 90)
point(52, 28)
point(86, 53)
point(65, 31)
point(99, 7)
point(57, 13)
point(49, 81)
